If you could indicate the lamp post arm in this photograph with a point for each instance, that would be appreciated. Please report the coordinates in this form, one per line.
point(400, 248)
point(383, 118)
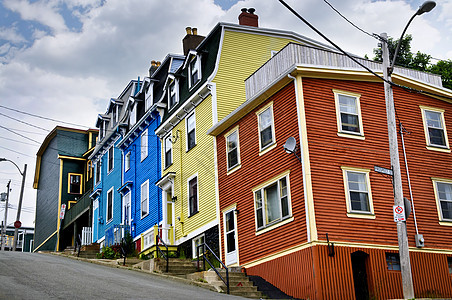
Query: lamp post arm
point(400, 42)
point(18, 169)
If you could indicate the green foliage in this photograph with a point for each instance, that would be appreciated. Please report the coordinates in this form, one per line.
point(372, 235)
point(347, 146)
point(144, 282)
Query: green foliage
point(109, 253)
point(443, 68)
point(419, 61)
point(128, 245)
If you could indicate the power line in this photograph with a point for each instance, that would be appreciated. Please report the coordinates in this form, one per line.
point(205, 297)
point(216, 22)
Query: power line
point(41, 117)
point(23, 122)
point(369, 34)
point(16, 152)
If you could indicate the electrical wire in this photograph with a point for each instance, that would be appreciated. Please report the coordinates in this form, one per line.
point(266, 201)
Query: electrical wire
point(23, 122)
point(41, 117)
point(375, 36)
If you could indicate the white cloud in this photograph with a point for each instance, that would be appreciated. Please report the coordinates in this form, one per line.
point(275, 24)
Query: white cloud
point(44, 12)
point(11, 35)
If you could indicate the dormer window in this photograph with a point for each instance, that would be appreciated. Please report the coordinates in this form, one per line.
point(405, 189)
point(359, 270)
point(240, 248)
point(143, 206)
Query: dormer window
point(172, 94)
point(195, 70)
point(149, 95)
point(101, 130)
point(115, 116)
point(133, 114)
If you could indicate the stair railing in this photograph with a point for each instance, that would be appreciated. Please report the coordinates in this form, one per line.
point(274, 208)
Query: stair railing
point(78, 244)
point(204, 258)
point(166, 257)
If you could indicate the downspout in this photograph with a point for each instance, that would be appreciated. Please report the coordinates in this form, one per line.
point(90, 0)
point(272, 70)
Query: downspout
point(182, 216)
point(303, 165)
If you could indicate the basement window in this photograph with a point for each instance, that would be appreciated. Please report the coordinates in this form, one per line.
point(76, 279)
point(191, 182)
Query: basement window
point(393, 261)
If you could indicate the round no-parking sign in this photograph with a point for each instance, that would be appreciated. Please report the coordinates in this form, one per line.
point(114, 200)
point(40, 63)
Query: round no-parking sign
point(399, 213)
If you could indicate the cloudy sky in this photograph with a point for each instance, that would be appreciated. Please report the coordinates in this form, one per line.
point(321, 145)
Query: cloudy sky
point(64, 59)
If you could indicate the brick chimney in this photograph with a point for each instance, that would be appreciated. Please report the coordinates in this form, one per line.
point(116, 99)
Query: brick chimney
point(191, 40)
point(154, 66)
point(248, 18)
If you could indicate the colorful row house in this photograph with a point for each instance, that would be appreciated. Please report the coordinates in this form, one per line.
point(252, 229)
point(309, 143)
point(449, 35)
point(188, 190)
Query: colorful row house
point(107, 221)
point(63, 181)
point(207, 87)
point(299, 201)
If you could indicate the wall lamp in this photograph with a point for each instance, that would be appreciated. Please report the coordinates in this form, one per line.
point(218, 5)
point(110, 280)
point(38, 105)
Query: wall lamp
point(291, 147)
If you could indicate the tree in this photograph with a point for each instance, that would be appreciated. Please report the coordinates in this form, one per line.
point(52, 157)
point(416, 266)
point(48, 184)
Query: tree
point(419, 61)
point(443, 68)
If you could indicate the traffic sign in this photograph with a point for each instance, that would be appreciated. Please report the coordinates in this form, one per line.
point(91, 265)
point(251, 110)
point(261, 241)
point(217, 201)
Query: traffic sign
point(62, 211)
point(17, 224)
point(399, 213)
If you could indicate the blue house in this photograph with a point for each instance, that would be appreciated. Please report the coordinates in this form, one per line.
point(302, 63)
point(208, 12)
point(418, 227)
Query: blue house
point(142, 204)
point(108, 221)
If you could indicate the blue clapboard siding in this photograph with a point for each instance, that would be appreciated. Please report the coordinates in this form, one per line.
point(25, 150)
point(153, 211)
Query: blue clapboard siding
point(140, 172)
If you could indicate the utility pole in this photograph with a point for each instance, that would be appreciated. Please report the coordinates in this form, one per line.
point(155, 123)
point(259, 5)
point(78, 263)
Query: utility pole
point(19, 208)
point(6, 217)
point(405, 266)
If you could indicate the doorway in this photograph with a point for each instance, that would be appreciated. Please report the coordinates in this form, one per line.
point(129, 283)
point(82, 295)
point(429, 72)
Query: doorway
point(230, 237)
point(359, 261)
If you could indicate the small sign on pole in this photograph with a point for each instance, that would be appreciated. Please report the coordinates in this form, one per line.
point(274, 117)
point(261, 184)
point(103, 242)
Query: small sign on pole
point(62, 211)
point(382, 170)
point(399, 213)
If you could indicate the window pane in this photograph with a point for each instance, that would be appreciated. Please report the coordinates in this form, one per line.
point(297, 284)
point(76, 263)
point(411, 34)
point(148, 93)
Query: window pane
point(347, 104)
point(446, 209)
point(232, 141)
point(444, 191)
point(436, 137)
point(266, 137)
point(359, 201)
point(229, 221)
point(393, 261)
point(284, 198)
point(193, 195)
point(433, 119)
point(230, 238)
point(350, 122)
point(191, 139)
point(232, 159)
point(272, 205)
point(265, 119)
point(191, 123)
point(357, 181)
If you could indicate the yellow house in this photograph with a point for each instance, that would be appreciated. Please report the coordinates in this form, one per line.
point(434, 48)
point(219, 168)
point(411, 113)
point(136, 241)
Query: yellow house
point(205, 89)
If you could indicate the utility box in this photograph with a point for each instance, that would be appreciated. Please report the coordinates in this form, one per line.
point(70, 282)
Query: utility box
point(419, 240)
point(3, 197)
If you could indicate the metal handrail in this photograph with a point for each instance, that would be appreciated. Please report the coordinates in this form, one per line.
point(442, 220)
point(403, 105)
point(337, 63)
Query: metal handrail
point(78, 244)
point(161, 252)
point(205, 246)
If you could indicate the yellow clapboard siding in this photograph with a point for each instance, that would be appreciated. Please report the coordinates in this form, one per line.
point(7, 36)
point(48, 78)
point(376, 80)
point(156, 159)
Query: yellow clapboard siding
point(199, 160)
point(241, 55)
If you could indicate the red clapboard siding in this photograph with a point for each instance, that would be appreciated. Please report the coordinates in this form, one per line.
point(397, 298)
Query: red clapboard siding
point(237, 187)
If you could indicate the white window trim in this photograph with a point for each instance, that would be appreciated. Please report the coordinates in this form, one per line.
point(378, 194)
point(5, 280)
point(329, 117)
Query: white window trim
point(98, 165)
point(198, 66)
point(188, 194)
point(273, 144)
point(127, 157)
point(176, 93)
point(133, 114)
point(427, 138)
point(112, 167)
point(283, 220)
point(442, 221)
point(149, 96)
point(239, 164)
point(358, 214)
point(124, 207)
point(193, 113)
point(358, 135)
point(141, 199)
point(234, 210)
point(169, 136)
point(193, 244)
point(112, 205)
point(144, 149)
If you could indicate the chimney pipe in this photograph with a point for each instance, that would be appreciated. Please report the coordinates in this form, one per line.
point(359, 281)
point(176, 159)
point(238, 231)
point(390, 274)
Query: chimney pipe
point(191, 40)
point(248, 18)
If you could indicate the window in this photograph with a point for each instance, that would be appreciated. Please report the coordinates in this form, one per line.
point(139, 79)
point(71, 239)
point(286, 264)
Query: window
point(434, 127)
point(145, 199)
point(195, 70)
point(357, 192)
point(115, 116)
point(272, 203)
point(75, 183)
point(110, 160)
point(197, 241)
point(101, 130)
point(348, 114)
point(449, 264)
point(192, 195)
point(127, 161)
point(172, 94)
point(443, 194)
point(110, 205)
point(168, 151)
point(98, 172)
point(133, 114)
point(149, 96)
point(393, 261)
point(144, 145)
point(266, 127)
point(191, 131)
point(232, 149)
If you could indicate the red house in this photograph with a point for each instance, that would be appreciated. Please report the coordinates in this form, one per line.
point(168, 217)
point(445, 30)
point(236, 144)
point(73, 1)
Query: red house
point(319, 224)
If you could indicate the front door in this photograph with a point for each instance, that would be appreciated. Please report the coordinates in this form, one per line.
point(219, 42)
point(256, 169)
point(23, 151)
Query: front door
point(230, 237)
point(359, 259)
point(168, 216)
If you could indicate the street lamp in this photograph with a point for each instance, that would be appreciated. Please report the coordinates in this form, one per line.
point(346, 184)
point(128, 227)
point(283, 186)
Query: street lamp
point(404, 254)
point(19, 207)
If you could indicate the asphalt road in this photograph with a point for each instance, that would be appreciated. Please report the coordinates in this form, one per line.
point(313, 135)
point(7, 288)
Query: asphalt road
point(45, 276)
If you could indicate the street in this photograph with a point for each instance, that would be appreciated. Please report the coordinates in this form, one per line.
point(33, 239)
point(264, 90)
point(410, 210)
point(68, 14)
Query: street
point(45, 276)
